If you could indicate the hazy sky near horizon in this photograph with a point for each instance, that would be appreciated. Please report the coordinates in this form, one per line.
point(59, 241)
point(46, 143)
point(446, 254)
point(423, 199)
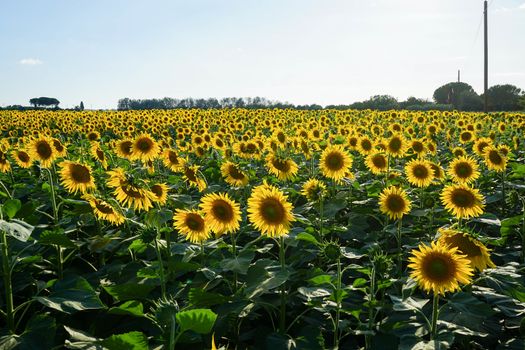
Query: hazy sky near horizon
point(299, 51)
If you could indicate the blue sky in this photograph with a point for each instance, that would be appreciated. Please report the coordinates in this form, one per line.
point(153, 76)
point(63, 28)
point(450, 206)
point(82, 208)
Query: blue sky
point(300, 51)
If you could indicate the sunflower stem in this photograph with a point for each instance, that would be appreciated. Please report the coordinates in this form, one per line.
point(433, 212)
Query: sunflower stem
point(234, 252)
point(435, 314)
point(161, 268)
point(7, 285)
point(282, 318)
point(399, 250)
point(503, 203)
point(321, 217)
point(338, 309)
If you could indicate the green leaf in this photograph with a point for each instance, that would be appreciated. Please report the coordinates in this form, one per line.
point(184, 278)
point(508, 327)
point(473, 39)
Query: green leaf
point(126, 341)
point(72, 294)
point(321, 279)
point(158, 217)
point(199, 297)
point(262, 279)
point(129, 291)
point(314, 292)
point(198, 320)
point(239, 264)
point(56, 237)
point(17, 229)
point(11, 207)
point(303, 236)
point(408, 304)
point(131, 308)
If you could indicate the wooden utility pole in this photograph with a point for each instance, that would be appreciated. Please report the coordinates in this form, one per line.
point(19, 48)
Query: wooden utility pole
point(486, 68)
point(459, 76)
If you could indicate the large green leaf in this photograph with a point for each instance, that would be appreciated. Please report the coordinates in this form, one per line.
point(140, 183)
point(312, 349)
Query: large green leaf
point(198, 320)
point(11, 207)
point(130, 308)
point(72, 294)
point(239, 264)
point(126, 341)
point(56, 237)
point(128, 291)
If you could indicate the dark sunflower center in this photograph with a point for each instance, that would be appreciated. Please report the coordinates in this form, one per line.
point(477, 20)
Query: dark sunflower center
point(100, 155)
point(222, 210)
point(366, 145)
point(481, 146)
point(92, 136)
point(251, 148)
point(417, 147)
point(281, 137)
point(281, 165)
point(353, 141)
point(420, 171)
point(395, 203)
point(172, 156)
point(395, 144)
point(219, 143)
point(44, 150)
point(125, 147)
point(190, 174)
point(103, 208)
point(466, 136)
point(379, 161)
point(272, 211)
point(334, 161)
point(144, 144)
point(463, 170)
point(464, 245)
point(58, 146)
point(458, 153)
point(132, 191)
point(495, 158)
point(235, 173)
point(316, 133)
point(80, 173)
point(157, 189)
point(23, 156)
point(438, 268)
point(194, 222)
point(463, 198)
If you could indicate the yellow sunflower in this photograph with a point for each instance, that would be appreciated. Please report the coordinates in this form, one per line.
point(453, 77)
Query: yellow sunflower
point(98, 154)
point(463, 170)
point(129, 194)
point(221, 213)
point(284, 169)
point(42, 150)
point(145, 148)
point(160, 190)
point(191, 225)
point(104, 211)
point(335, 162)
point(365, 145)
point(233, 174)
point(419, 172)
point(377, 163)
point(313, 190)
point(193, 177)
point(462, 201)
point(60, 149)
point(22, 158)
point(124, 148)
point(439, 269)
point(5, 166)
point(172, 160)
point(459, 152)
point(396, 146)
point(494, 159)
point(76, 177)
point(475, 251)
point(394, 202)
point(480, 145)
point(269, 211)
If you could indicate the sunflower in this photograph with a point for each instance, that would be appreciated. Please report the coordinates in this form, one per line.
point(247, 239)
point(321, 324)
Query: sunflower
point(192, 225)
point(98, 154)
point(364, 145)
point(42, 150)
point(462, 201)
point(437, 171)
point(124, 148)
point(172, 160)
point(494, 159)
point(459, 152)
point(144, 148)
point(22, 158)
point(475, 251)
point(104, 211)
point(463, 170)
point(418, 147)
point(439, 269)
point(284, 169)
point(480, 145)
point(192, 176)
point(76, 177)
point(233, 175)
point(335, 162)
point(419, 172)
point(465, 136)
point(396, 146)
point(160, 190)
point(5, 166)
point(128, 193)
point(377, 163)
point(60, 149)
point(313, 190)
point(221, 213)
point(394, 202)
point(269, 211)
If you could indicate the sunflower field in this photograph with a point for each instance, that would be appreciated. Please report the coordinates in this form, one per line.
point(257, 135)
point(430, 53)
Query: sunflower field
point(262, 229)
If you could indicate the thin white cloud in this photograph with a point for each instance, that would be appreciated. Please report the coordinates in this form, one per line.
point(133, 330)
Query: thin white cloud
point(30, 61)
point(522, 6)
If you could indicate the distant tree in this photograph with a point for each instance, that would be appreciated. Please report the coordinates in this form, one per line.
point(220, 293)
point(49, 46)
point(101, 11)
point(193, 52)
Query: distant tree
point(470, 101)
point(414, 101)
point(81, 105)
point(450, 93)
point(503, 97)
point(34, 102)
point(521, 102)
point(44, 102)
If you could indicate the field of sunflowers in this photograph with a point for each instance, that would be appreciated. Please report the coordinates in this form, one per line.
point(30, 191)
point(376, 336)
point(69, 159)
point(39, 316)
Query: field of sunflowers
point(262, 229)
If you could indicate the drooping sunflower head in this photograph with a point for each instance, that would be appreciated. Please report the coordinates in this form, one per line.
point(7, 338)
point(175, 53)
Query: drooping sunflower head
point(419, 172)
point(269, 211)
point(98, 154)
point(104, 211)
point(283, 168)
point(60, 149)
point(313, 190)
point(462, 201)
point(221, 213)
point(480, 145)
point(193, 177)
point(42, 150)
point(473, 249)
point(172, 160)
point(463, 170)
point(494, 159)
point(335, 162)
point(76, 177)
point(437, 171)
point(160, 190)
point(191, 224)
point(145, 148)
point(233, 175)
point(394, 202)
point(124, 148)
point(439, 269)
point(5, 166)
point(377, 163)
